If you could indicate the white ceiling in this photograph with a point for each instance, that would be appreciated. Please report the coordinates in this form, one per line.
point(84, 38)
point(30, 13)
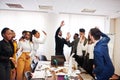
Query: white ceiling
point(108, 8)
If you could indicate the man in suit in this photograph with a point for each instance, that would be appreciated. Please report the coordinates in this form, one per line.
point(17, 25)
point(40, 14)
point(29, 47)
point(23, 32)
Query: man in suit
point(103, 67)
point(60, 41)
point(79, 46)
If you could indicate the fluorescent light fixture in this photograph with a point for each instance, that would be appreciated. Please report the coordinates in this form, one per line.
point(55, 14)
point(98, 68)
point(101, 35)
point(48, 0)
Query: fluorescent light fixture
point(45, 7)
point(10, 5)
point(88, 10)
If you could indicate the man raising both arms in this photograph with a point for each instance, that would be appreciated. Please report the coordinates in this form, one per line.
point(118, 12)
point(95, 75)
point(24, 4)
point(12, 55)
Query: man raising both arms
point(60, 41)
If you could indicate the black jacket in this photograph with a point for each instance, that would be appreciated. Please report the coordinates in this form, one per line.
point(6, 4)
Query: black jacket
point(6, 51)
point(59, 43)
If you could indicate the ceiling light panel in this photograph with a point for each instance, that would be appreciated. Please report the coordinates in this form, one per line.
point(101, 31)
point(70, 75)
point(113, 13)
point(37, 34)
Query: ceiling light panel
point(88, 10)
point(10, 5)
point(45, 7)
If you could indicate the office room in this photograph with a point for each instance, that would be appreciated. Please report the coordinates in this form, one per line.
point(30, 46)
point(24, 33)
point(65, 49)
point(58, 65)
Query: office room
point(46, 17)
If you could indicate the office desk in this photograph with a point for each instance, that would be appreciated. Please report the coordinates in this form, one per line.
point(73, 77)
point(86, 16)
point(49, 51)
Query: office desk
point(44, 71)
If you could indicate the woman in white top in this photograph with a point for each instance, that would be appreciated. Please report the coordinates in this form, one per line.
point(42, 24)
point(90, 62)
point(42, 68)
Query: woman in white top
point(36, 38)
point(88, 59)
point(23, 62)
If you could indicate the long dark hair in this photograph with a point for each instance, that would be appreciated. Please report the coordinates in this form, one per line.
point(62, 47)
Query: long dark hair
point(30, 35)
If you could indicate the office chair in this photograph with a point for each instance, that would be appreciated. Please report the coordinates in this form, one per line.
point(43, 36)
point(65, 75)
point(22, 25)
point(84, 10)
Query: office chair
point(28, 75)
point(33, 65)
point(42, 58)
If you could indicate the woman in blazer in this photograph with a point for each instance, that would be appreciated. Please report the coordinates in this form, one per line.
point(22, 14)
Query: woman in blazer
point(6, 54)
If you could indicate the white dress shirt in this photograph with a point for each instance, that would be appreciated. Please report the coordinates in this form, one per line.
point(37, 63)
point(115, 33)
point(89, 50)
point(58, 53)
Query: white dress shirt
point(37, 41)
point(81, 47)
point(90, 50)
point(24, 46)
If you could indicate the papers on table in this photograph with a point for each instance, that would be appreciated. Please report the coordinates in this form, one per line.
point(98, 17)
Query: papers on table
point(44, 69)
point(39, 74)
point(42, 65)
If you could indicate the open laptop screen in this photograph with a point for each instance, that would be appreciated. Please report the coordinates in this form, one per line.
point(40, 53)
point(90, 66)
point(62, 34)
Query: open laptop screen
point(57, 60)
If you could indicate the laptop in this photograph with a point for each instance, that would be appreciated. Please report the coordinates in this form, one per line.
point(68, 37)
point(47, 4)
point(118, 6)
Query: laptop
point(57, 60)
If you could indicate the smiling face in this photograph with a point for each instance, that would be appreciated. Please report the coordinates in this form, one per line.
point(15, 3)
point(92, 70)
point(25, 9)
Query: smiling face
point(37, 35)
point(27, 35)
point(7, 35)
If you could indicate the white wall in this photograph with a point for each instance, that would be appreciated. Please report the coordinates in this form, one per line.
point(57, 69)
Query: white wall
point(19, 21)
point(116, 30)
point(49, 22)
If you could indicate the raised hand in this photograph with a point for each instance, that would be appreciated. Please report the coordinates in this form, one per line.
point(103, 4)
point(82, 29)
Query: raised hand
point(68, 36)
point(44, 32)
point(62, 23)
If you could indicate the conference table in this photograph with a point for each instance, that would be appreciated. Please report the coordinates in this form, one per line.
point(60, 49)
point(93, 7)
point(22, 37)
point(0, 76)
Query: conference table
point(44, 71)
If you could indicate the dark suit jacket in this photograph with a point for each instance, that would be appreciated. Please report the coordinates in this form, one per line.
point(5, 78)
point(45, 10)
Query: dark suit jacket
point(74, 44)
point(103, 66)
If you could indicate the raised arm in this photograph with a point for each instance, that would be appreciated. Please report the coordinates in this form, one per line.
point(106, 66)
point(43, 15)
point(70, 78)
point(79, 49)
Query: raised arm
point(105, 38)
point(58, 30)
point(40, 40)
point(44, 32)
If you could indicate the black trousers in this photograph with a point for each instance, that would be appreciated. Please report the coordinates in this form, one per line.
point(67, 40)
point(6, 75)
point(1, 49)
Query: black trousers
point(89, 66)
point(80, 59)
point(5, 68)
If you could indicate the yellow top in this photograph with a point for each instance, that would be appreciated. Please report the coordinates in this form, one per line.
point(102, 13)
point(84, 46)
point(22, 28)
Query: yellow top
point(15, 51)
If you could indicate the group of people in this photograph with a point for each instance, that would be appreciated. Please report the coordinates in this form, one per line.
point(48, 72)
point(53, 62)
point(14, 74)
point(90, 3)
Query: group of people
point(16, 58)
point(90, 53)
